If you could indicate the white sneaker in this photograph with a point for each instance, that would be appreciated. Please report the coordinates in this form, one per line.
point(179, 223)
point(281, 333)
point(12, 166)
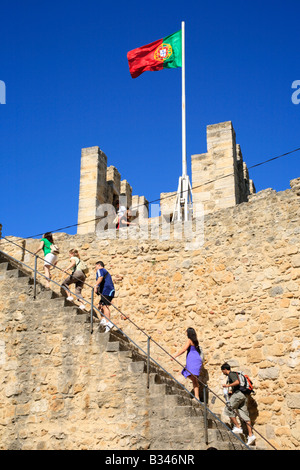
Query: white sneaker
point(103, 322)
point(251, 439)
point(82, 307)
point(237, 430)
point(70, 298)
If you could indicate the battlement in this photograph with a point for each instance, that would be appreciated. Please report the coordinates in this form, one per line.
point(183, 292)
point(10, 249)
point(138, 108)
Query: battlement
point(100, 184)
point(220, 179)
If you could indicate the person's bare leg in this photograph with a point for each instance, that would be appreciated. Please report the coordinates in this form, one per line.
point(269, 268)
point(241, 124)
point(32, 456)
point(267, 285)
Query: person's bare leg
point(249, 428)
point(196, 386)
point(235, 422)
point(48, 275)
point(106, 311)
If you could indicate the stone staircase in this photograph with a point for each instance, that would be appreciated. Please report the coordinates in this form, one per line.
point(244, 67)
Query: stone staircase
point(172, 407)
point(175, 420)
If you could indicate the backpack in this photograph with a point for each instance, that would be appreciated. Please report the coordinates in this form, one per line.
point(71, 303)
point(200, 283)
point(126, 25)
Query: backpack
point(83, 266)
point(246, 385)
point(54, 249)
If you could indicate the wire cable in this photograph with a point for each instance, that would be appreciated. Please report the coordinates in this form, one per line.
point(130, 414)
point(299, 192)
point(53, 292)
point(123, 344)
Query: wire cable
point(165, 197)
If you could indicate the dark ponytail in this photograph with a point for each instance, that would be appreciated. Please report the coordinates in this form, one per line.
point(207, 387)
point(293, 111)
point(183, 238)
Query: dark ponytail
point(49, 237)
point(192, 335)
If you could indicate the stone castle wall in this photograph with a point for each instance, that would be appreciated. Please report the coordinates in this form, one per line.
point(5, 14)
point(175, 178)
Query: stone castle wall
point(240, 290)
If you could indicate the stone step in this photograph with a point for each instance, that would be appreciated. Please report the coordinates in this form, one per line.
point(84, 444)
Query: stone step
point(8, 271)
point(3, 266)
point(116, 335)
point(175, 412)
point(164, 378)
point(126, 354)
point(126, 345)
point(45, 296)
point(12, 272)
point(184, 444)
point(171, 400)
point(180, 439)
point(167, 388)
point(137, 367)
point(179, 434)
point(187, 434)
point(224, 440)
point(113, 346)
point(76, 314)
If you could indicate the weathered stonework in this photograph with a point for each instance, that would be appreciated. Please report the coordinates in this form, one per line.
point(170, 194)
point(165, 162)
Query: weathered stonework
point(240, 291)
point(62, 388)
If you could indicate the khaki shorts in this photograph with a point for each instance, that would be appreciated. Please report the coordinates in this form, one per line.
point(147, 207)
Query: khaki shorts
point(238, 401)
point(77, 278)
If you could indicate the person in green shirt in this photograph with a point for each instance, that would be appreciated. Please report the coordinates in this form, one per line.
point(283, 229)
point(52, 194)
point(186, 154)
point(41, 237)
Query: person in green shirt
point(50, 259)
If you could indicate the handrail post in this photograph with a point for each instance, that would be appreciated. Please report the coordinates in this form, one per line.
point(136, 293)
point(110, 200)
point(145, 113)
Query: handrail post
point(34, 278)
point(205, 413)
point(92, 309)
point(148, 361)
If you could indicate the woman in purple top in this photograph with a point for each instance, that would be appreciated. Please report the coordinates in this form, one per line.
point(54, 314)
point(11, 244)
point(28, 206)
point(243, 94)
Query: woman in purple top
point(193, 360)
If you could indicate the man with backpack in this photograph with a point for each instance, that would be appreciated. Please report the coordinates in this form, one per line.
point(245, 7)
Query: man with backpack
point(105, 288)
point(238, 400)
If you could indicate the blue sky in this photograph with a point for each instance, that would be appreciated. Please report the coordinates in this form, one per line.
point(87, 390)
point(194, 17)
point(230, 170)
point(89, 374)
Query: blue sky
point(68, 87)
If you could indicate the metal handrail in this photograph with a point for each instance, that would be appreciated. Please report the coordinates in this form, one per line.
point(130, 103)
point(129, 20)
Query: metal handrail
point(86, 284)
point(147, 354)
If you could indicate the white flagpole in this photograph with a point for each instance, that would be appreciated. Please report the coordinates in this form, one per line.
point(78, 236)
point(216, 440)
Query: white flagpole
point(184, 192)
point(184, 167)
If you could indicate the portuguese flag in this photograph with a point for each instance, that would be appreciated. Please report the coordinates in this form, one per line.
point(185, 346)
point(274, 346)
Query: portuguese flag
point(158, 55)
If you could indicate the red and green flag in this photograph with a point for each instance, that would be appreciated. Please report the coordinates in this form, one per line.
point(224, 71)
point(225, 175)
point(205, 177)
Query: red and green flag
point(158, 55)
